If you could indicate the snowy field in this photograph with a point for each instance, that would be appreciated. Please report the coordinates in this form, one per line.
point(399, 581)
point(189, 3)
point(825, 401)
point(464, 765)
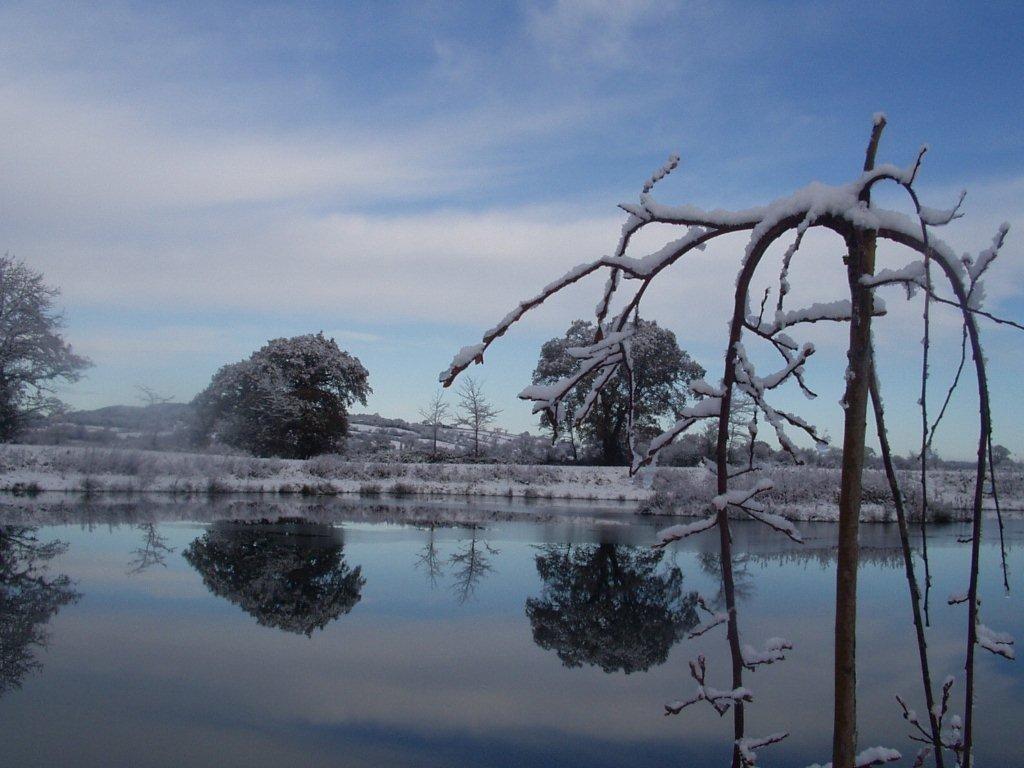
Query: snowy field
point(799, 493)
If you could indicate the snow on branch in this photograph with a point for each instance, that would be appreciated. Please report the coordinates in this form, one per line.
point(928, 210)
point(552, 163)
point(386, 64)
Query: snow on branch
point(677, 532)
point(595, 389)
point(913, 273)
point(900, 228)
point(718, 699)
point(737, 497)
point(716, 619)
point(938, 217)
point(840, 311)
point(709, 407)
point(661, 173)
point(743, 499)
point(813, 202)
point(475, 353)
point(999, 643)
point(812, 205)
point(976, 268)
point(602, 346)
point(775, 522)
point(869, 757)
point(793, 366)
point(746, 746)
point(774, 650)
point(750, 383)
point(546, 396)
point(648, 266)
point(952, 739)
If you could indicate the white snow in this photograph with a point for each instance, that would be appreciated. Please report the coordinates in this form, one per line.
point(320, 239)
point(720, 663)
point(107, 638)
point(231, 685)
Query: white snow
point(676, 532)
point(999, 643)
point(869, 757)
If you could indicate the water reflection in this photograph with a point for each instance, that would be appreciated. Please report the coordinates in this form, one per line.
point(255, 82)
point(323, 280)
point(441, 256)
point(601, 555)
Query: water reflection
point(155, 671)
point(288, 575)
point(470, 564)
point(154, 550)
point(29, 598)
point(609, 606)
point(429, 559)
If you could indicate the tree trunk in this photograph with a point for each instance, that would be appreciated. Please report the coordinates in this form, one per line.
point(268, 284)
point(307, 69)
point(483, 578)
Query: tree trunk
point(860, 261)
point(611, 452)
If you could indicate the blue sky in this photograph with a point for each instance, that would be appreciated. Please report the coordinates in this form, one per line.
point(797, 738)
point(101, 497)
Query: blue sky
point(203, 177)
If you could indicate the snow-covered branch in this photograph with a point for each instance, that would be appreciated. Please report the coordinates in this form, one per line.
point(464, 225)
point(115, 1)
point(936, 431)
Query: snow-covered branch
point(774, 650)
point(719, 699)
point(676, 532)
point(709, 407)
point(747, 745)
point(869, 757)
point(999, 643)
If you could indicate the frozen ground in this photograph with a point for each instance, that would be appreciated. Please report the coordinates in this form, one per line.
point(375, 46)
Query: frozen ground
point(799, 493)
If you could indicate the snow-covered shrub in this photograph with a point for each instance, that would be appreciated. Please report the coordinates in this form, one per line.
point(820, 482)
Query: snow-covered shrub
point(328, 466)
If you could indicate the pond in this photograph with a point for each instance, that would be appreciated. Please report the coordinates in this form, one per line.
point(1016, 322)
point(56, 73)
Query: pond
point(167, 634)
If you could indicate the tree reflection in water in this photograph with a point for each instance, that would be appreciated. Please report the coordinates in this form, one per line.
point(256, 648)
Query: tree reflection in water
point(609, 605)
point(29, 598)
point(288, 575)
point(154, 550)
point(429, 558)
point(470, 564)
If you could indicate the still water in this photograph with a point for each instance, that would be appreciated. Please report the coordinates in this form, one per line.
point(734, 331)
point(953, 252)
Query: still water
point(351, 634)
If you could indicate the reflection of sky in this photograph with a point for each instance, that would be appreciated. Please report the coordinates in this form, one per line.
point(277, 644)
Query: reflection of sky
point(152, 669)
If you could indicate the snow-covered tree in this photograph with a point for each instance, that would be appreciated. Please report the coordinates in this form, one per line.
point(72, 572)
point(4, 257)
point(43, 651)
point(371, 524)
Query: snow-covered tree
point(847, 211)
point(661, 372)
point(34, 356)
point(475, 410)
point(290, 398)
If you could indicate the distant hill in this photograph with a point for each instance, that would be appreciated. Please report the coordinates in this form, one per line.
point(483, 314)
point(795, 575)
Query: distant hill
point(129, 417)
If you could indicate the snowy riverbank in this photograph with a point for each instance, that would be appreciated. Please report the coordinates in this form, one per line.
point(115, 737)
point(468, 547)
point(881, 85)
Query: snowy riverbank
point(800, 493)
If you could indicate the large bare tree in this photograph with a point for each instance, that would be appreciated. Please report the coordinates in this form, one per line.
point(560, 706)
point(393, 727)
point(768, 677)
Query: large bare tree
point(475, 410)
point(34, 356)
point(434, 414)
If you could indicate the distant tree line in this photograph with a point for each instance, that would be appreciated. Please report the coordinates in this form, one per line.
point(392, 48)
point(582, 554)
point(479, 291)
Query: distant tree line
point(291, 398)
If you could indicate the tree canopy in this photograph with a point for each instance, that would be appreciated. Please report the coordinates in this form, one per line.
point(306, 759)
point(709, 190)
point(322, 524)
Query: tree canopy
point(661, 372)
point(290, 399)
point(33, 354)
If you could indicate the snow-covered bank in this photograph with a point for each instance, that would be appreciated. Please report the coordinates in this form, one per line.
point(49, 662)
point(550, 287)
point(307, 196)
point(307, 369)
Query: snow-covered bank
point(799, 493)
point(56, 468)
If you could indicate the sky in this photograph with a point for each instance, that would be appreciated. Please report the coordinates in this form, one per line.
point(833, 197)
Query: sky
point(198, 178)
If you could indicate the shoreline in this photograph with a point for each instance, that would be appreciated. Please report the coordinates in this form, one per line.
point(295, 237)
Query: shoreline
point(800, 493)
